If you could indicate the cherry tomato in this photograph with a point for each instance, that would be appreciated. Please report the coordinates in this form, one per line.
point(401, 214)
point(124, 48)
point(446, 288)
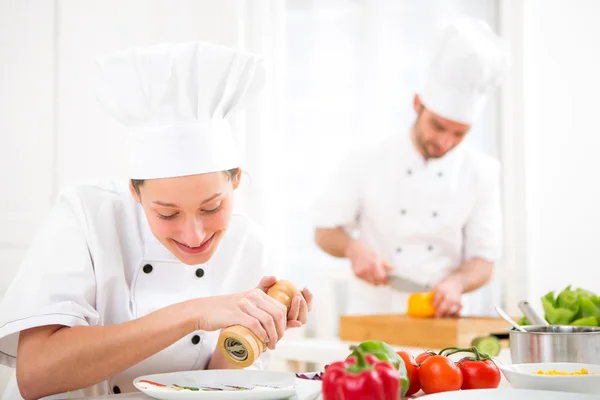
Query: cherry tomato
point(439, 374)
point(483, 374)
point(421, 357)
point(412, 370)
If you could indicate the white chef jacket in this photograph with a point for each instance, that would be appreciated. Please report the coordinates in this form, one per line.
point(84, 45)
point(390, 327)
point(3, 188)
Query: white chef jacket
point(424, 217)
point(95, 262)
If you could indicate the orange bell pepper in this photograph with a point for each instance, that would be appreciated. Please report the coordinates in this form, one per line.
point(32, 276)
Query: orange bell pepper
point(420, 305)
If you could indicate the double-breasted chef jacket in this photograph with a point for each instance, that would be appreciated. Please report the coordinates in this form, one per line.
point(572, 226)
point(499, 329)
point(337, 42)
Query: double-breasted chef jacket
point(424, 217)
point(95, 262)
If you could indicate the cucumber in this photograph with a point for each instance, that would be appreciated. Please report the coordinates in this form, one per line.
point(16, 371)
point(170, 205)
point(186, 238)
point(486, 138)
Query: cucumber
point(489, 345)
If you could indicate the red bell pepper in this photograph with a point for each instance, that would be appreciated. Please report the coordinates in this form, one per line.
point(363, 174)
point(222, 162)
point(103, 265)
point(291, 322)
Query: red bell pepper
point(361, 377)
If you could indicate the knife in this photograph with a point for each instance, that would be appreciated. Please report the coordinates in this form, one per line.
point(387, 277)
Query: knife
point(406, 285)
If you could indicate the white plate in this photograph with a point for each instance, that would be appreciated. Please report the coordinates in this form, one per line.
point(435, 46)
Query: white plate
point(522, 376)
point(281, 385)
point(512, 394)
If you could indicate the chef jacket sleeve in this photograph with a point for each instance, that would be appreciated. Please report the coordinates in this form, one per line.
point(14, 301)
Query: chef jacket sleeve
point(338, 204)
point(483, 231)
point(56, 281)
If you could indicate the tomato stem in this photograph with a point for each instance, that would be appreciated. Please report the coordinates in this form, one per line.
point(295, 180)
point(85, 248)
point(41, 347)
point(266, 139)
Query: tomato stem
point(473, 350)
point(441, 353)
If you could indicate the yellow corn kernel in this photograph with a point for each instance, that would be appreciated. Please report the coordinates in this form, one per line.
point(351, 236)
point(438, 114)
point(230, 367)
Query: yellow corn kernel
point(582, 371)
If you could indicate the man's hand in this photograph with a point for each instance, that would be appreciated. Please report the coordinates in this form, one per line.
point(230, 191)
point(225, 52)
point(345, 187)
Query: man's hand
point(447, 297)
point(470, 276)
point(366, 264)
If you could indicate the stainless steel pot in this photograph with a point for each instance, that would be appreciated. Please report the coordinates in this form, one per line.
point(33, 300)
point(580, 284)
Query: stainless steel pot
point(555, 343)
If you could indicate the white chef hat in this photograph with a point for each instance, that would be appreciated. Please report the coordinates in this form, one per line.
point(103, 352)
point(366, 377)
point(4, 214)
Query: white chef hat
point(468, 62)
point(175, 100)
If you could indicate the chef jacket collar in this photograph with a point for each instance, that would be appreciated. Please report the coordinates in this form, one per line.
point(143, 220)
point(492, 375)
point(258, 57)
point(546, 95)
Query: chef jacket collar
point(412, 158)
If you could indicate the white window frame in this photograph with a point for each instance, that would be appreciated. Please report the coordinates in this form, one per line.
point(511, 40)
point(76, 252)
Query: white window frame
point(512, 156)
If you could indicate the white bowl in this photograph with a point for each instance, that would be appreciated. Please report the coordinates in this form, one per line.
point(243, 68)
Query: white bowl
point(523, 376)
point(308, 389)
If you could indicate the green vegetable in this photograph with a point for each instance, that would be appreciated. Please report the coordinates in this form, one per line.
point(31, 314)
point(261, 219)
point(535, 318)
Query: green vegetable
point(585, 293)
point(570, 307)
point(587, 308)
point(568, 299)
point(556, 314)
point(385, 352)
point(588, 321)
point(489, 345)
point(193, 389)
point(523, 321)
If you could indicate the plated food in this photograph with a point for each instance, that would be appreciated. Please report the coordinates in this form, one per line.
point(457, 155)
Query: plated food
point(205, 388)
point(562, 377)
point(218, 384)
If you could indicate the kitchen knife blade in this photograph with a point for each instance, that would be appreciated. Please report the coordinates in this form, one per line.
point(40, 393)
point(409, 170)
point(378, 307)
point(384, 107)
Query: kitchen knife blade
point(406, 285)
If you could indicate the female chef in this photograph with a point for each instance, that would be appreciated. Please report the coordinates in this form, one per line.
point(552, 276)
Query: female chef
point(138, 278)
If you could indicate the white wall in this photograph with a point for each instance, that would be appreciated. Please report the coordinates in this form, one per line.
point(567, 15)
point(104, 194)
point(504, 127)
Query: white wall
point(26, 125)
point(26, 129)
point(561, 51)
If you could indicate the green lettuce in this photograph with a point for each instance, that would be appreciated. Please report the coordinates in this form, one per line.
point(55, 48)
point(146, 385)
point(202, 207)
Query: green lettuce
point(587, 321)
point(568, 299)
point(570, 307)
point(587, 308)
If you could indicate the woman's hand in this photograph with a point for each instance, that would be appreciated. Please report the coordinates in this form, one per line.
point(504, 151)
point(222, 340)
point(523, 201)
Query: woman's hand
point(254, 309)
point(301, 303)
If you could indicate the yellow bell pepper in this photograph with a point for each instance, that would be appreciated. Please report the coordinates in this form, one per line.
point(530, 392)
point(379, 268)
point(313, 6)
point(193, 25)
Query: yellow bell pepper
point(420, 305)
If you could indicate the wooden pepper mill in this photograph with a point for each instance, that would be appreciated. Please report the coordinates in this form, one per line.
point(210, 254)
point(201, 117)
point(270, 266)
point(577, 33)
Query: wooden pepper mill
point(240, 345)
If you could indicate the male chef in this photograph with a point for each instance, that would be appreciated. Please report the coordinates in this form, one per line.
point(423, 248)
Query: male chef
point(422, 206)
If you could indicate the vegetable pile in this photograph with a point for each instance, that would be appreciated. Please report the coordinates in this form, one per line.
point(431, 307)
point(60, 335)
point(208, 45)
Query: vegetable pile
point(361, 376)
point(577, 307)
point(376, 371)
point(437, 372)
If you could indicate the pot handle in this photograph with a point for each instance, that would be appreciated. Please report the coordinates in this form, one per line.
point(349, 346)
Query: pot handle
point(531, 315)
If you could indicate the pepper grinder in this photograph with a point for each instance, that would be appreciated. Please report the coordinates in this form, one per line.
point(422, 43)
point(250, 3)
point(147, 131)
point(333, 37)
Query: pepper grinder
point(240, 346)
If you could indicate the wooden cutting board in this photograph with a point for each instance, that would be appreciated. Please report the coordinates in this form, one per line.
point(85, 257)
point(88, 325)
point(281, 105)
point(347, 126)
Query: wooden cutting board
point(426, 333)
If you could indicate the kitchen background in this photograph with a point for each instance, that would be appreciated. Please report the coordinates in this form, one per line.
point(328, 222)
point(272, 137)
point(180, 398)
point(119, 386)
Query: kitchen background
point(342, 74)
